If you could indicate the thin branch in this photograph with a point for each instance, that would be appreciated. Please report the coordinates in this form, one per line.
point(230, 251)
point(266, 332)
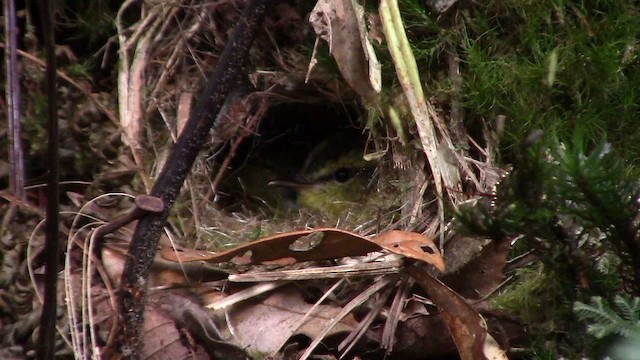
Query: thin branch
point(133, 291)
point(46, 348)
point(12, 88)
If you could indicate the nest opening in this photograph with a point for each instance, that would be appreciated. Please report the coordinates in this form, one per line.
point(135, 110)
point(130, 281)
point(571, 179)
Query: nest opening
point(280, 148)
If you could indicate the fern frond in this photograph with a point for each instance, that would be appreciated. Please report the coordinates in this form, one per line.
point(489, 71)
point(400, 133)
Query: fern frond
point(628, 308)
point(604, 320)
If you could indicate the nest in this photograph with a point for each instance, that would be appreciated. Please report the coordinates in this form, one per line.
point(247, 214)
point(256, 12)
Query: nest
point(277, 114)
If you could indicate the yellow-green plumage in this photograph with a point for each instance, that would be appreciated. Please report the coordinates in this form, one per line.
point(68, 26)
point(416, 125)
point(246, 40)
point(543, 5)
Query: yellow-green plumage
point(337, 181)
point(337, 185)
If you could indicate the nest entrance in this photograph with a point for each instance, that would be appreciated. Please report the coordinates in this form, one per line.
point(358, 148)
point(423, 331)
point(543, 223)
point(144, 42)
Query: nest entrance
point(283, 142)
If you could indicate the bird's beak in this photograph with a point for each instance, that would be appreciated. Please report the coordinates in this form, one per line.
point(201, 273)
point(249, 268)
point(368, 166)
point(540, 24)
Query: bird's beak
point(296, 185)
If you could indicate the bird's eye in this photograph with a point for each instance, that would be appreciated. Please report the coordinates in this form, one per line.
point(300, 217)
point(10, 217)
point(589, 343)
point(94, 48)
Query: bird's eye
point(342, 175)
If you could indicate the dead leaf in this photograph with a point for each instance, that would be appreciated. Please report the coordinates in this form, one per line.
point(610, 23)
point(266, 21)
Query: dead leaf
point(411, 245)
point(330, 244)
point(163, 272)
point(196, 322)
point(375, 69)
point(341, 24)
point(265, 326)
point(317, 245)
point(161, 339)
point(465, 324)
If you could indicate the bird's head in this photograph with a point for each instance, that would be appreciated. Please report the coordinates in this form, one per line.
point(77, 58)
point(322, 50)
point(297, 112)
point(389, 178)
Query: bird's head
point(334, 179)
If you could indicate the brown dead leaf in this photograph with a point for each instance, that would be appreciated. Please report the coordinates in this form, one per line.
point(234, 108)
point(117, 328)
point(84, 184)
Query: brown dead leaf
point(163, 272)
point(341, 24)
point(161, 338)
point(196, 323)
point(317, 245)
point(421, 336)
point(264, 326)
point(306, 245)
point(411, 245)
point(465, 324)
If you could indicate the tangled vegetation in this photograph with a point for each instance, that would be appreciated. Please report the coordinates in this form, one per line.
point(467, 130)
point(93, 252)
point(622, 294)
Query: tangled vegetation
point(536, 105)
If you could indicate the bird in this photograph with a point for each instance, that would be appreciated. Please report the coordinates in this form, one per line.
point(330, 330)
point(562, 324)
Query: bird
point(335, 180)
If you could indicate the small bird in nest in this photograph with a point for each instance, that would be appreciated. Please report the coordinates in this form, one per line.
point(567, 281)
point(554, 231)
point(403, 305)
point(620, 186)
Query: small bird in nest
point(336, 179)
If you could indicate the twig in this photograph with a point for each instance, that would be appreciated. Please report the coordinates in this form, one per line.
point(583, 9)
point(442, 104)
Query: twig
point(12, 88)
point(147, 234)
point(46, 348)
point(144, 204)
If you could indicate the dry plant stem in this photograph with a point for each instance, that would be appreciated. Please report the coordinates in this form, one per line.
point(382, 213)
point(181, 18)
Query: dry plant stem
point(354, 336)
point(172, 61)
point(46, 343)
point(95, 262)
point(357, 301)
point(452, 149)
point(131, 68)
point(390, 326)
point(76, 237)
point(32, 276)
point(328, 272)
point(457, 133)
point(521, 261)
point(142, 250)
point(78, 304)
point(352, 339)
point(24, 205)
point(406, 69)
point(423, 111)
point(12, 89)
point(245, 294)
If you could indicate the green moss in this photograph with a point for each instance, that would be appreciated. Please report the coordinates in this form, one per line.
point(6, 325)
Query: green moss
point(509, 51)
point(591, 87)
point(541, 298)
point(528, 297)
